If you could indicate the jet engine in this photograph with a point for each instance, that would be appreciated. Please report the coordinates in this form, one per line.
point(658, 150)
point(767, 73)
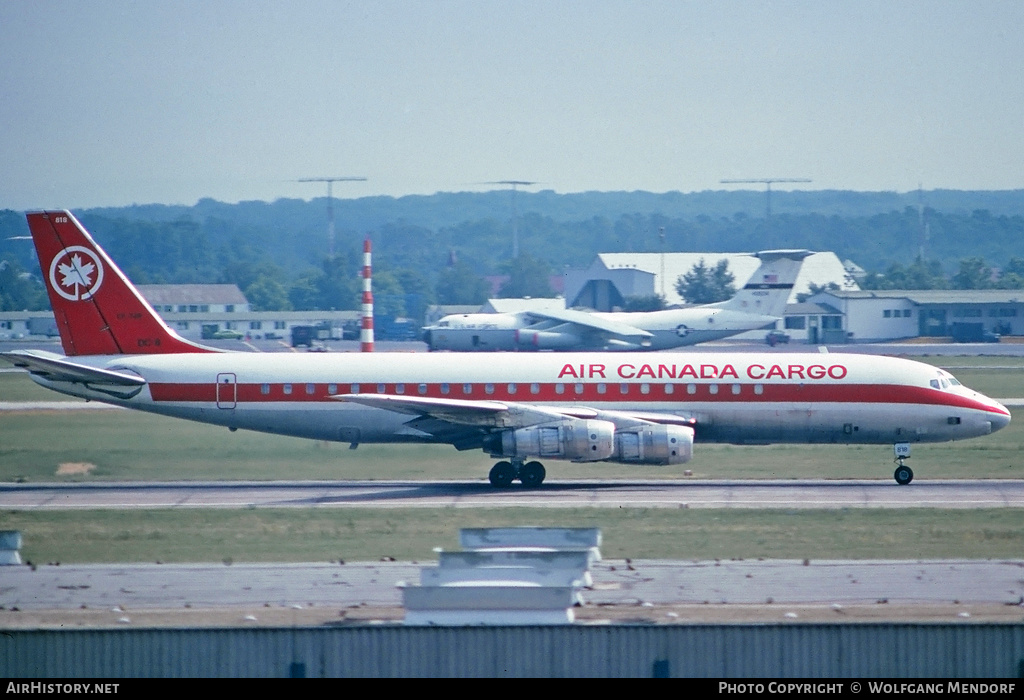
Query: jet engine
point(653, 444)
point(572, 438)
point(545, 340)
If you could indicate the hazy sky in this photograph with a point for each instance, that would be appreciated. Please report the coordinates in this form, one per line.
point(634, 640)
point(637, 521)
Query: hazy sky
point(168, 101)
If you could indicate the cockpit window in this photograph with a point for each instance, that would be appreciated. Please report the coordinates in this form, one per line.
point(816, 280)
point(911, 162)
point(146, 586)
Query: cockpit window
point(945, 380)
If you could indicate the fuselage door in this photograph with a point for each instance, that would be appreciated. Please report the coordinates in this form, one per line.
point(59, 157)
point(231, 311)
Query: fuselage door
point(227, 390)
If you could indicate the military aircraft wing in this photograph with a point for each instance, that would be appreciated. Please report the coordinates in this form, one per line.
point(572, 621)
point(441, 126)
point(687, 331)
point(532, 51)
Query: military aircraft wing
point(591, 322)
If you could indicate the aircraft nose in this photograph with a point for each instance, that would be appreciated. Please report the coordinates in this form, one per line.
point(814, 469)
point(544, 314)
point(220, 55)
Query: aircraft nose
point(999, 419)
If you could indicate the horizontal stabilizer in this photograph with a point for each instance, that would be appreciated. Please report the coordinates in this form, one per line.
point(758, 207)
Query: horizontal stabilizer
point(58, 368)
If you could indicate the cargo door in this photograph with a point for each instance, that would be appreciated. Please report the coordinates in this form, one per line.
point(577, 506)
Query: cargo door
point(227, 390)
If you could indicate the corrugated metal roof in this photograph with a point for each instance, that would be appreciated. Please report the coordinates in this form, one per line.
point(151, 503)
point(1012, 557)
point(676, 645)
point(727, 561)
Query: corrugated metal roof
point(938, 296)
point(758, 651)
point(192, 293)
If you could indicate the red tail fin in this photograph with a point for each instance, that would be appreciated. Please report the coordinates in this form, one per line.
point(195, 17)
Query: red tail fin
point(98, 311)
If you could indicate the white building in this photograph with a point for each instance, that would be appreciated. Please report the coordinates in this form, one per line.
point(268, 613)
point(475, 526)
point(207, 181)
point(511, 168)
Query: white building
point(872, 316)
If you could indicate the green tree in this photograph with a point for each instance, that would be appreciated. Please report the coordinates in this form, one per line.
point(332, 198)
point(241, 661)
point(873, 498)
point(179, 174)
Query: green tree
point(703, 285)
point(388, 295)
point(459, 284)
point(921, 274)
point(528, 277)
point(20, 291)
point(650, 302)
point(973, 274)
point(1012, 276)
point(267, 294)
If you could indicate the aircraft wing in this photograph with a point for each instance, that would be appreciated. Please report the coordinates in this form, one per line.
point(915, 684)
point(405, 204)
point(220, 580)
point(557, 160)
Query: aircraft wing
point(465, 423)
point(591, 322)
point(59, 368)
point(486, 414)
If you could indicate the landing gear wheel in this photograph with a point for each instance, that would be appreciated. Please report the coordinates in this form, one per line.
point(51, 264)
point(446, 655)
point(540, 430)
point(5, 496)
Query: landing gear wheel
point(502, 475)
point(903, 475)
point(532, 474)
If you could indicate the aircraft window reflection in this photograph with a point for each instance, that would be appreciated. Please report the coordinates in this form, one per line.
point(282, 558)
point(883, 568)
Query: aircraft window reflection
point(623, 388)
point(467, 389)
point(578, 388)
point(512, 388)
point(535, 388)
point(602, 388)
point(381, 388)
point(332, 388)
point(422, 389)
point(669, 389)
point(354, 389)
point(287, 388)
point(736, 389)
point(934, 383)
point(311, 389)
point(559, 388)
point(445, 388)
point(399, 388)
point(265, 389)
point(759, 389)
point(713, 388)
point(645, 388)
point(489, 388)
point(691, 389)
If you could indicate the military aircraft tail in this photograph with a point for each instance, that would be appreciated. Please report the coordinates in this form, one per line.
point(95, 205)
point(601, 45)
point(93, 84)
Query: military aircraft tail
point(98, 311)
point(769, 288)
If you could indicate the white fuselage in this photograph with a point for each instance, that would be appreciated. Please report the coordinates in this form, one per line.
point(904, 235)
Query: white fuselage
point(670, 328)
point(732, 397)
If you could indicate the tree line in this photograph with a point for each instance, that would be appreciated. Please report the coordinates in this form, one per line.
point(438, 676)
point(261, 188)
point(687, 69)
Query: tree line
point(280, 265)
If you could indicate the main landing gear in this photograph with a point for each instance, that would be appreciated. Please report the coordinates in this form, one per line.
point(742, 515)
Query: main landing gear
point(531, 474)
point(903, 474)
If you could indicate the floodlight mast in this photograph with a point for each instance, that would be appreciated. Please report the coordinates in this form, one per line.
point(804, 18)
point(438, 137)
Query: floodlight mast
point(330, 204)
point(515, 216)
point(767, 181)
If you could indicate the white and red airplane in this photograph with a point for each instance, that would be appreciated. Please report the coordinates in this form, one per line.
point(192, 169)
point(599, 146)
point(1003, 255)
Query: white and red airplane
point(635, 408)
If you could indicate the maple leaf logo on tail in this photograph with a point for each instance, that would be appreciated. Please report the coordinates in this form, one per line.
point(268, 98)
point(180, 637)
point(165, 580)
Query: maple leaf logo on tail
point(76, 272)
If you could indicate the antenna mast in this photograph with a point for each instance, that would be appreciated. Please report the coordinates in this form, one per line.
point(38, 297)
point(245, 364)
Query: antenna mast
point(515, 215)
point(767, 181)
point(330, 204)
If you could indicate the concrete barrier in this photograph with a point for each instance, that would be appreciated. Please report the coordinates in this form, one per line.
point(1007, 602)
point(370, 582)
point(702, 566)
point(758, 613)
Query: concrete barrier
point(10, 544)
point(578, 560)
point(503, 603)
point(540, 538)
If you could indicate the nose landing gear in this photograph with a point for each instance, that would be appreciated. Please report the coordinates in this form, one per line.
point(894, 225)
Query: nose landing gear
point(903, 474)
point(531, 474)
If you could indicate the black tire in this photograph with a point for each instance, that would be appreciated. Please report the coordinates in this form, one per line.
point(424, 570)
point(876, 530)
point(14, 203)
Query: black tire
point(532, 474)
point(502, 474)
point(903, 475)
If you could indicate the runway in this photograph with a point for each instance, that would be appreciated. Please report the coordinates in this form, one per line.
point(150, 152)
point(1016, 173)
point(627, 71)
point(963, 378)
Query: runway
point(677, 493)
point(645, 591)
point(651, 591)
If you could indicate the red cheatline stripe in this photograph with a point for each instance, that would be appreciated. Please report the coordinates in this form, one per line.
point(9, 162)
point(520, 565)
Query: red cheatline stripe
point(590, 393)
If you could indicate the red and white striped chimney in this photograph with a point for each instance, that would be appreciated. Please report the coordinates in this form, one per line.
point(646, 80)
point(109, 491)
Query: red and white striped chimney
point(366, 333)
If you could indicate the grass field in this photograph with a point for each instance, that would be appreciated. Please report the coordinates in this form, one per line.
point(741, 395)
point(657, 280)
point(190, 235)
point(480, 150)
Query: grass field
point(411, 534)
point(122, 445)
